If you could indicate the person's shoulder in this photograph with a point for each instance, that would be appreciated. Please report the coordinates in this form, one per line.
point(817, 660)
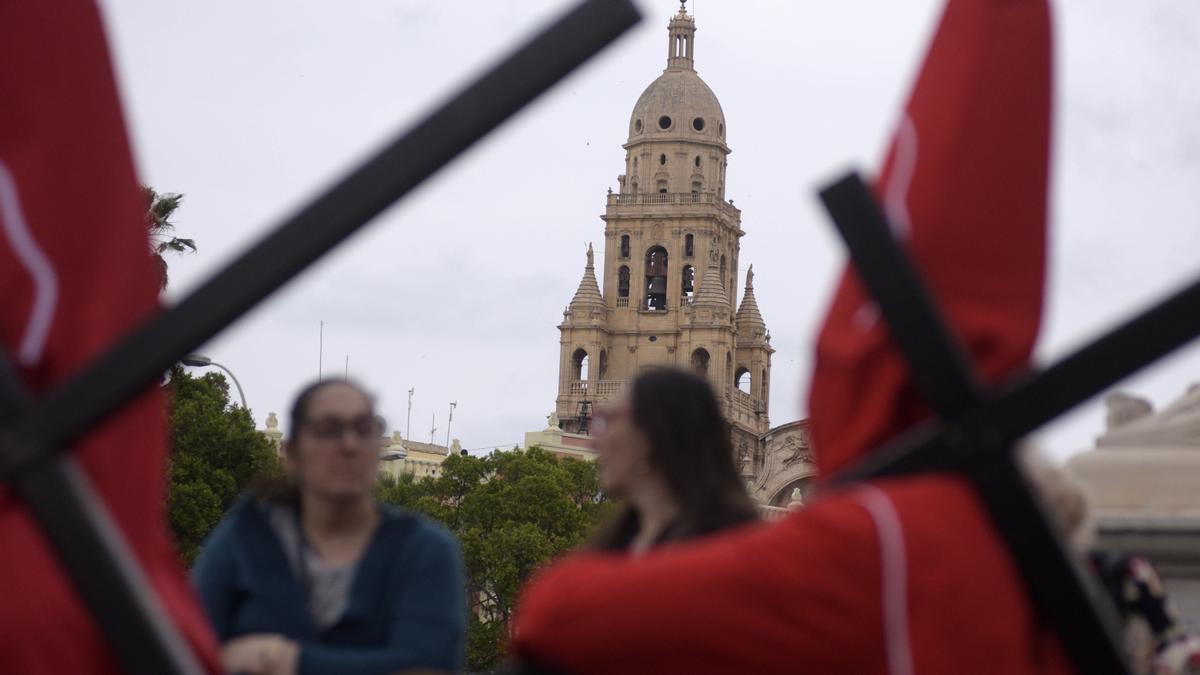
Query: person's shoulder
point(420, 531)
point(225, 541)
point(233, 520)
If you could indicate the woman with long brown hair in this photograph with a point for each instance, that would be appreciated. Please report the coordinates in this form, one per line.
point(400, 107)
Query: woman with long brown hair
point(663, 449)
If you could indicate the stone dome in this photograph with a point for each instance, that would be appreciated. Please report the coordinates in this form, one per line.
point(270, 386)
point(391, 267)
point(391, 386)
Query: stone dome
point(677, 106)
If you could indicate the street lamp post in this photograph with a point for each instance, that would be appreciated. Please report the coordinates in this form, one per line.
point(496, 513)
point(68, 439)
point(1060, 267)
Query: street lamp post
point(202, 361)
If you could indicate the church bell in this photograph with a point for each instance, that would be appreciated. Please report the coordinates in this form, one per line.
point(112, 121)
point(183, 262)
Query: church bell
point(658, 285)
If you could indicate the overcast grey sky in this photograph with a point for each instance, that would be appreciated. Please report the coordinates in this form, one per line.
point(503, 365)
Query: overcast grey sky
point(249, 108)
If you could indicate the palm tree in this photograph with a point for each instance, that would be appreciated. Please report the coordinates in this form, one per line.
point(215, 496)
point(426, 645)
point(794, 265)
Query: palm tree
point(161, 231)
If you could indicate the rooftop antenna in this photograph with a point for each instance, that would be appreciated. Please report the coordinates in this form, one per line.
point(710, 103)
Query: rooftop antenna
point(453, 405)
point(432, 427)
point(408, 425)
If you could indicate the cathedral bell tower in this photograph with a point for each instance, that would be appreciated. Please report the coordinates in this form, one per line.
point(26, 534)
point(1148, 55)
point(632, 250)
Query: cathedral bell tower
point(670, 263)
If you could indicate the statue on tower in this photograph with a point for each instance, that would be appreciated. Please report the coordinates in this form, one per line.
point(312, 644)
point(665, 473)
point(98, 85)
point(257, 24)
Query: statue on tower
point(590, 256)
point(750, 277)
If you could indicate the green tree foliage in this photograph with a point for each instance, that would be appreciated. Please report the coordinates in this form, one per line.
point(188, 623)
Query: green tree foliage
point(161, 231)
point(512, 512)
point(215, 454)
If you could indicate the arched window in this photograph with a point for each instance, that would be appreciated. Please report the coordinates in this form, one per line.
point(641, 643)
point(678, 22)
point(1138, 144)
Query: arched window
point(689, 282)
point(579, 364)
point(603, 373)
point(662, 159)
point(697, 160)
point(798, 490)
point(700, 362)
point(662, 187)
point(728, 368)
point(696, 186)
point(656, 278)
point(635, 163)
point(624, 246)
point(635, 187)
point(722, 277)
point(742, 379)
point(623, 282)
point(689, 246)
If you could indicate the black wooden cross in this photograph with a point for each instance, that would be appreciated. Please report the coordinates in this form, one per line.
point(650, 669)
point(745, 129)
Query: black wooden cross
point(35, 433)
point(976, 433)
point(977, 430)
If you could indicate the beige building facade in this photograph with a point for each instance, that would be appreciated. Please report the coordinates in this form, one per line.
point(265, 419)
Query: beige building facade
point(1143, 481)
point(400, 456)
point(672, 241)
point(561, 443)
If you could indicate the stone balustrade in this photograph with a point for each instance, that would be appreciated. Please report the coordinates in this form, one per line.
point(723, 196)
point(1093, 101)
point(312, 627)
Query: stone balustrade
point(772, 513)
point(596, 389)
point(665, 198)
point(746, 402)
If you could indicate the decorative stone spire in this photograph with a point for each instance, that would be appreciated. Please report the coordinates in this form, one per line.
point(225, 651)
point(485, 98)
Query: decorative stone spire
point(588, 294)
point(712, 287)
point(748, 315)
point(682, 43)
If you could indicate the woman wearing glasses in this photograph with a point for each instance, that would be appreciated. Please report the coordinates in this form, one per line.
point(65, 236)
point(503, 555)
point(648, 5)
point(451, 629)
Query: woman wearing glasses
point(315, 577)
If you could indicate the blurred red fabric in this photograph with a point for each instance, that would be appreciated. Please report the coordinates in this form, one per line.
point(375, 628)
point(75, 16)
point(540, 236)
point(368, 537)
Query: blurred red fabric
point(75, 275)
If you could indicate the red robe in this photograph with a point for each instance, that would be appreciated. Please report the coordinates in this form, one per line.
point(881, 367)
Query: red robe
point(900, 576)
point(75, 274)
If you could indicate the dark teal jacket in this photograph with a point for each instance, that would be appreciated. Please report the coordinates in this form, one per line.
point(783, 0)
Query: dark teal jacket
point(407, 605)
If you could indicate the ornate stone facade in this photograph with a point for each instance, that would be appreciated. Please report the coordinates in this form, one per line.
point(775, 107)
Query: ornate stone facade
point(669, 270)
point(783, 470)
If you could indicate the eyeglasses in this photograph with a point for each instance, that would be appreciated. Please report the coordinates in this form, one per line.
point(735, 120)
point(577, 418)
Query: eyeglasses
point(607, 414)
point(364, 427)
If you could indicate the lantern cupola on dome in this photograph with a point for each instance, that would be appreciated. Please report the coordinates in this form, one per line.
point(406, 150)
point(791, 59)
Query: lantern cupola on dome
point(679, 105)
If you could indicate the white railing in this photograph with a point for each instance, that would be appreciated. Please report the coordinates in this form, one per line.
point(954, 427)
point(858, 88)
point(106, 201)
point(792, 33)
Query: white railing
point(595, 389)
point(622, 302)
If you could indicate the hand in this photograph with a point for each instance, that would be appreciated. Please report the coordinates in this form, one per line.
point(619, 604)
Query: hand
point(261, 654)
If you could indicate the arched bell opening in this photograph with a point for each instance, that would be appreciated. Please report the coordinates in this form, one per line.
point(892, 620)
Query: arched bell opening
point(741, 380)
point(579, 364)
point(656, 279)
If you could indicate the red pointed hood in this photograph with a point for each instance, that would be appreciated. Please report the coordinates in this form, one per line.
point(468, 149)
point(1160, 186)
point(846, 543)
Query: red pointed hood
point(75, 275)
point(964, 184)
